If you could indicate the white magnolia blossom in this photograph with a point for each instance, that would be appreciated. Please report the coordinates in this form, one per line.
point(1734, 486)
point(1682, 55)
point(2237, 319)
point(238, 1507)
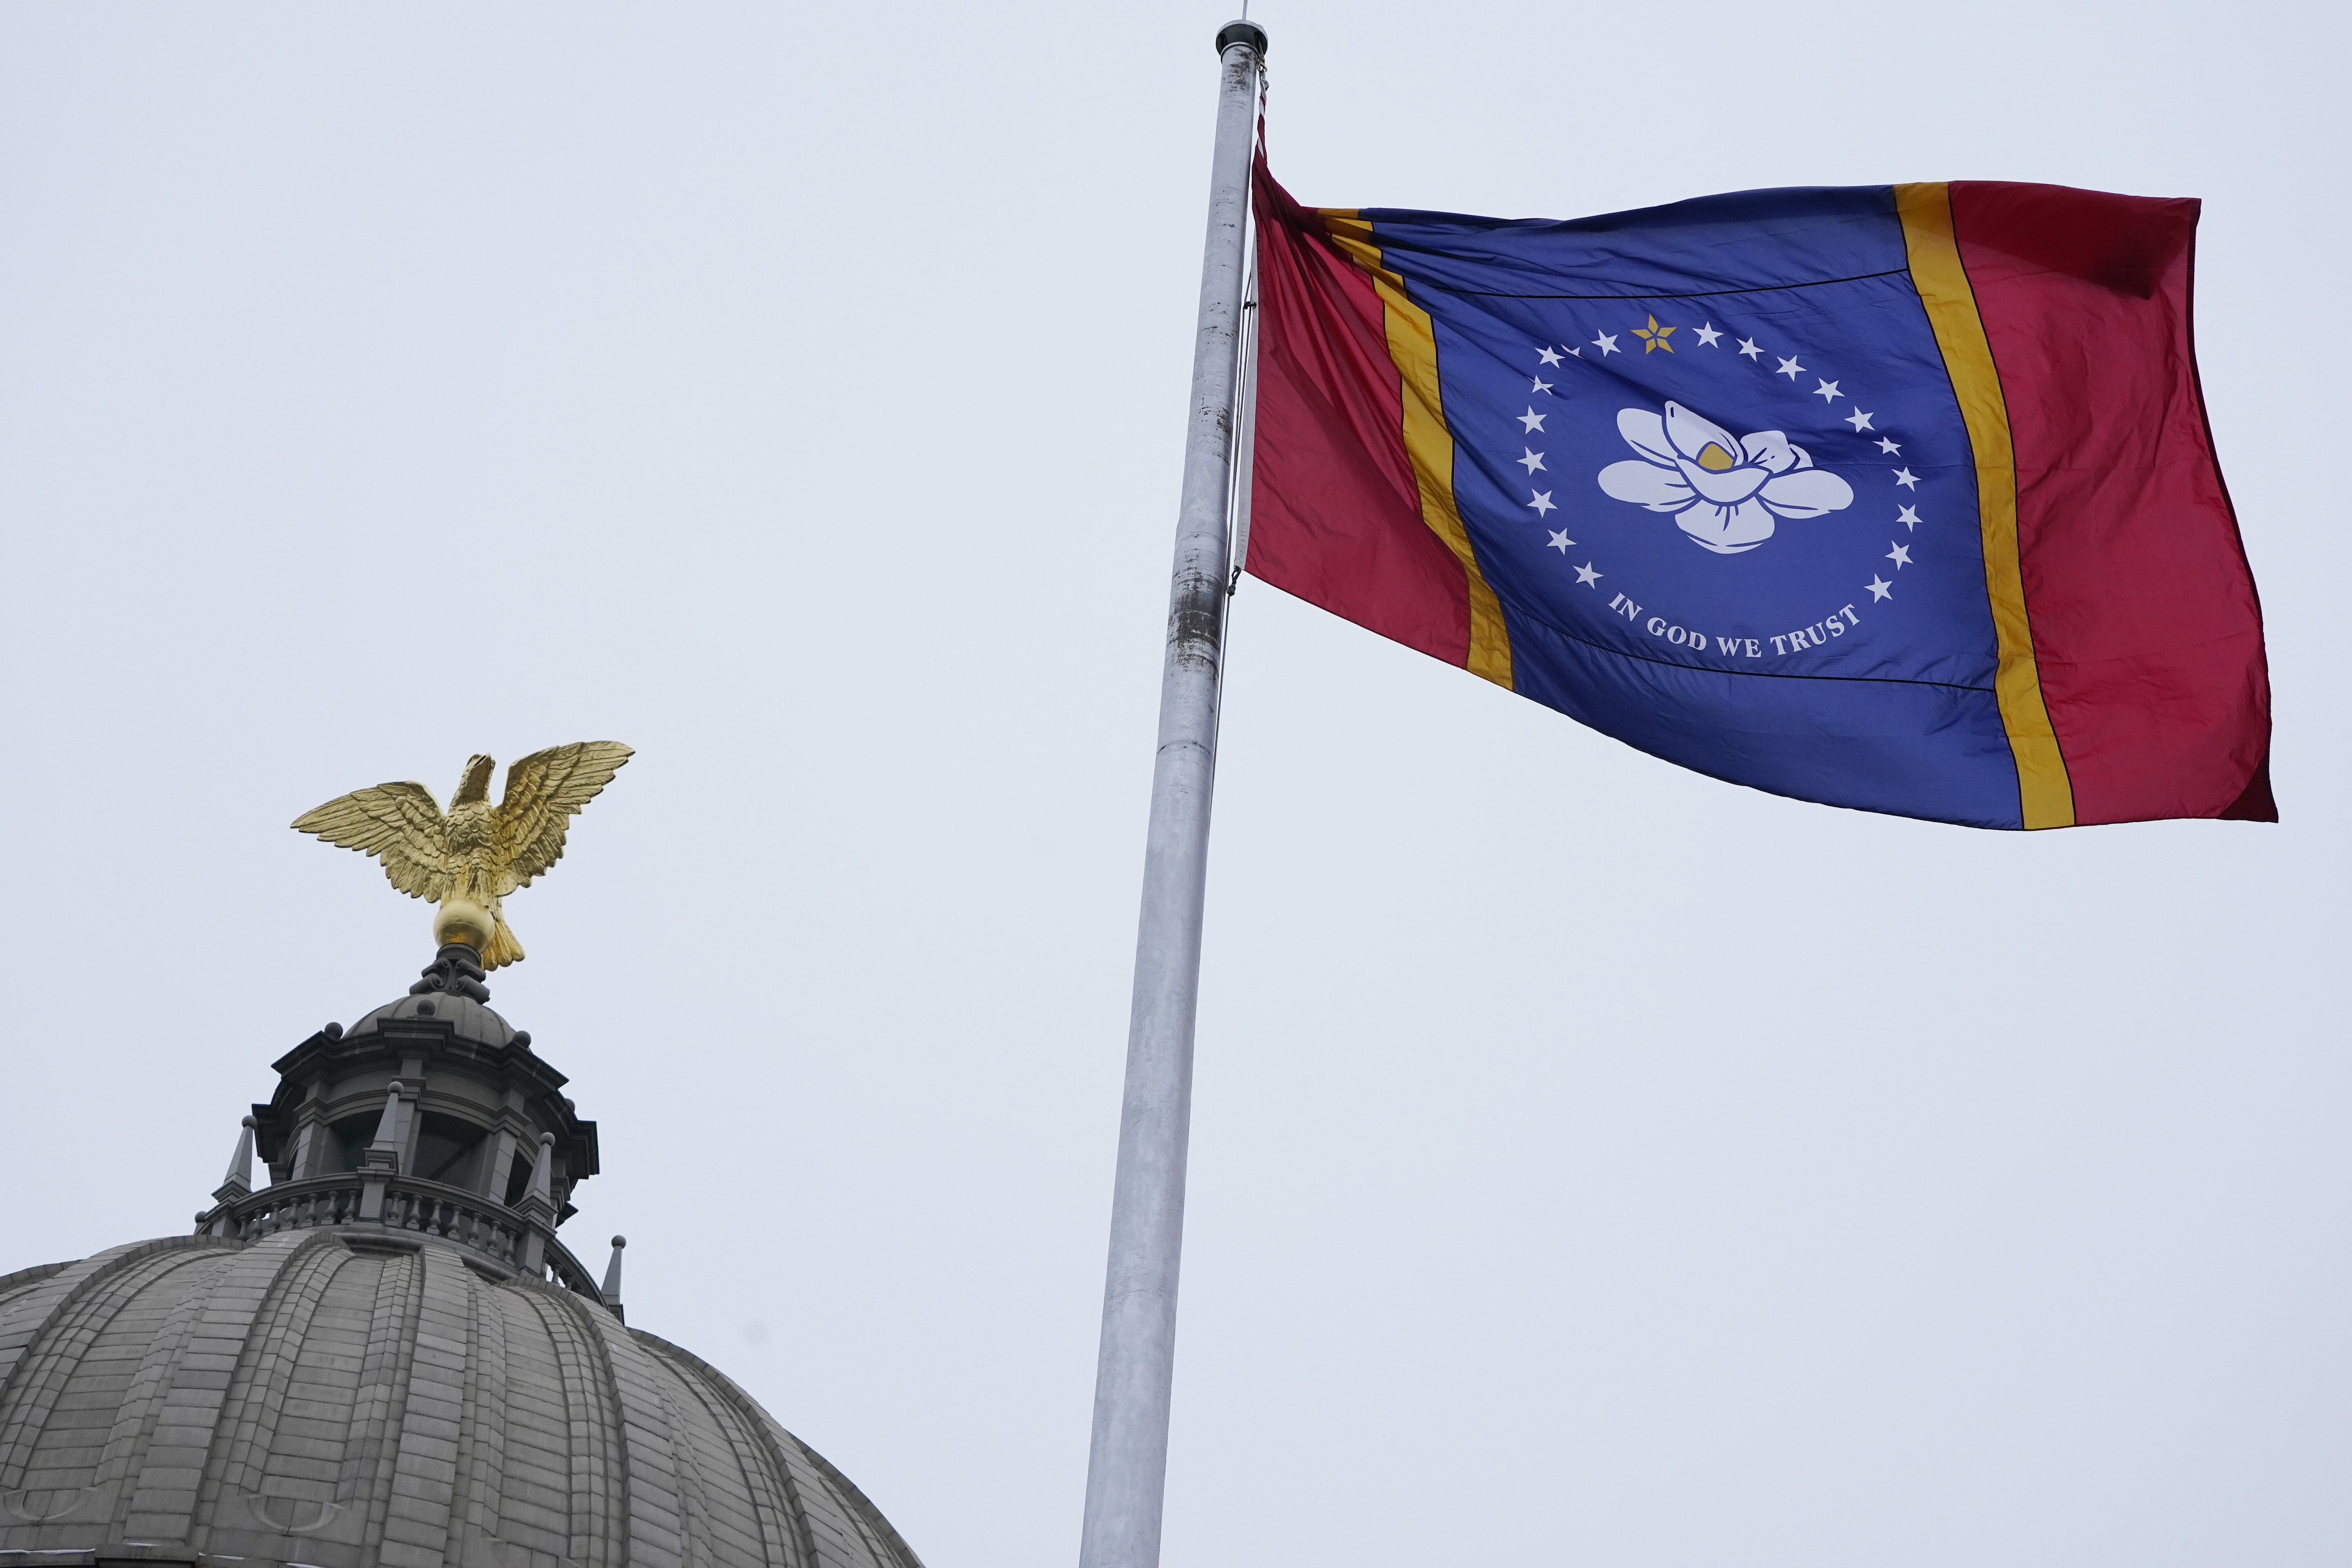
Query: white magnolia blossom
point(1724, 493)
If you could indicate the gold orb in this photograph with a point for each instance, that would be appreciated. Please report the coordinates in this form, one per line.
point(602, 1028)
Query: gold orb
point(462, 919)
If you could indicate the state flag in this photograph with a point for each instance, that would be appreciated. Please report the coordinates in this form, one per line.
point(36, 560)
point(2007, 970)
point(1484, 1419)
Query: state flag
point(1895, 497)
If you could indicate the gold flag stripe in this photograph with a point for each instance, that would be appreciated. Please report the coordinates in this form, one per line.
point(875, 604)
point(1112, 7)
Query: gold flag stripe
point(1428, 444)
point(2045, 794)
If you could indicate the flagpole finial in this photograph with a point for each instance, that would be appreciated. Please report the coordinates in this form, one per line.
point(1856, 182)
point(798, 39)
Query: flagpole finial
point(1242, 32)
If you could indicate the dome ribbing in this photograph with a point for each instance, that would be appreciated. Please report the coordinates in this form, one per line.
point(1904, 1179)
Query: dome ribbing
point(385, 1358)
point(339, 1399)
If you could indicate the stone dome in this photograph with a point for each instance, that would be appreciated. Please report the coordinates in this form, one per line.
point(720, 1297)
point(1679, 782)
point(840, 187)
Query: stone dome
point(356, 1397)
point(385, 1356)
point(465, 1018)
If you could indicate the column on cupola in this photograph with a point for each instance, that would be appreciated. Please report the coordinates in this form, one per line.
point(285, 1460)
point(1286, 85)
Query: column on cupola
point(310, 1140)
point(303, 1146)
point(501, 1164)
point(517, 1133)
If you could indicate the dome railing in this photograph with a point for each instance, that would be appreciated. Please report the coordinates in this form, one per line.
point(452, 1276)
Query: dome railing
point(566, 1271)
point(409, 1205)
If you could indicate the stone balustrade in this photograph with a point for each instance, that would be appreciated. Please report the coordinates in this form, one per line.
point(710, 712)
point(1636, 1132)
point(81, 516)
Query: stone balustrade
point(405, 1206)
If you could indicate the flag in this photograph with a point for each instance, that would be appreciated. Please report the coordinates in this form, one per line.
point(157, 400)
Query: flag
point(1896, 497)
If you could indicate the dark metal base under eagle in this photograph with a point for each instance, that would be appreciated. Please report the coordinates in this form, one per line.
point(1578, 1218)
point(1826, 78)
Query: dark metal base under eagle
point(384, 1358)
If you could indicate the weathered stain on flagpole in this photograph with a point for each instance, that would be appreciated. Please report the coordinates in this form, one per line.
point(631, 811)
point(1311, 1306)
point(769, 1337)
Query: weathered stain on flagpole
point(1127, 1467)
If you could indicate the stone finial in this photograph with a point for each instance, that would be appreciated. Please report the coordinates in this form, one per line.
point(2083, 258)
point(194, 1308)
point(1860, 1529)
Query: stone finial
point(538, 1209)
point(455, 969)
point(238, 1180)
point(380, 1160)
point(612, 1290)
point(538, 1206)
point(383, 1155)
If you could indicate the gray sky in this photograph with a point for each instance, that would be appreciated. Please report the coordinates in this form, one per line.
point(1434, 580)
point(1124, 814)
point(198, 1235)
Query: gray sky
point(1594, 1162)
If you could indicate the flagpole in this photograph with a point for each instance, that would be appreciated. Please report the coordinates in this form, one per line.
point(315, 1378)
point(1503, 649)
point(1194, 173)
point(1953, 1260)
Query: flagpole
point(1127, 1465)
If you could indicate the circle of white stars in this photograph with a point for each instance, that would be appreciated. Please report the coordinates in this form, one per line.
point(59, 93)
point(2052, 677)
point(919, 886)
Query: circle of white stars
point(1707, 335)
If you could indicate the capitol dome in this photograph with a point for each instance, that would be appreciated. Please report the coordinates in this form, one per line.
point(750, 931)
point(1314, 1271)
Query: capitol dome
point(385, 1358)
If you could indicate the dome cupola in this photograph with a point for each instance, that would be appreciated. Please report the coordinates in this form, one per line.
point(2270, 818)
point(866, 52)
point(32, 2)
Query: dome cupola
point(384, 1357)
point(429, 1116)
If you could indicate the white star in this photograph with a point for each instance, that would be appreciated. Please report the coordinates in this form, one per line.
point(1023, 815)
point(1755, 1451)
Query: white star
point(1541, 385)
point(1546, 354)
point(1828, 392)
point(1859, 420)
point(1531, 419)
point(1708, 334)
point(1587, 575)
point(1577, 352)
point(1887, 446)
point(1879, 588)
point(1748, 348)
point(1533, 461)
point(1907, 517)
point(1906, 478)
point(1560, 541)
point(1542, 503)
point(1606, 343)
point(1789, 367)
point(1900, 555)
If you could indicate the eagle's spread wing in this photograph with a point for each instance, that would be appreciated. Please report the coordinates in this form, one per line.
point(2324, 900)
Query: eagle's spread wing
point(398, 822)
point(543, 792)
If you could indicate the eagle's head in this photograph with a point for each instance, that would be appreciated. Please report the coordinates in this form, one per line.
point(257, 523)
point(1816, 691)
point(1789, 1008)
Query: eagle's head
point(474, 787)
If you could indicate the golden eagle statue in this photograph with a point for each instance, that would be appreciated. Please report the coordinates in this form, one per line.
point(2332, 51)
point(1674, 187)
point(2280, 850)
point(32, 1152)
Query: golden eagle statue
point(471, 857)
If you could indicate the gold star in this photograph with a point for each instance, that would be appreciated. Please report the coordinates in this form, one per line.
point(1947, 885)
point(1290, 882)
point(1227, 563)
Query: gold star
point(1655, 336)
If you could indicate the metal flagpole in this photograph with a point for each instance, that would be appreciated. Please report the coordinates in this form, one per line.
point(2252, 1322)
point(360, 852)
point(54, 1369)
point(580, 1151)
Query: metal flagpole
point(1127, 1465)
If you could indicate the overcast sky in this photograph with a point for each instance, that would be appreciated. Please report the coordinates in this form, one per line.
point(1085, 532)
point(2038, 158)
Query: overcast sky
point(1593, 1164)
